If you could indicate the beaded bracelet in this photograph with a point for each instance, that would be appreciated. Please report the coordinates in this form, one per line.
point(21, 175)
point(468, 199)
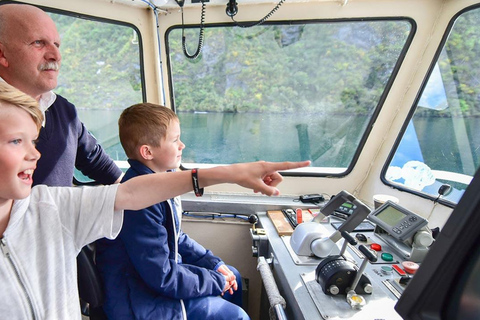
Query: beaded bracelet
point(196, 188)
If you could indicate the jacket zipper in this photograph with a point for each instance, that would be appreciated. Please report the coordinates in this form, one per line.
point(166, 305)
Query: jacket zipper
point(6, 253)
point(176, 235)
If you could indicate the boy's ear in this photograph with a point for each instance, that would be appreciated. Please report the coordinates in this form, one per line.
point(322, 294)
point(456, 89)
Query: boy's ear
point(145, 152)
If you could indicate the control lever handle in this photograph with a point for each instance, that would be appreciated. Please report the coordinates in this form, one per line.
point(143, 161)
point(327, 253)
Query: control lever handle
point(355, 300)
point(348, 239)
point(369, 256)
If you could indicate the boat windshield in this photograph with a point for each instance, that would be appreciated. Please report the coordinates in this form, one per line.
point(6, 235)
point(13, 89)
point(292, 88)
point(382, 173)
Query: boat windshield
point(284, 91)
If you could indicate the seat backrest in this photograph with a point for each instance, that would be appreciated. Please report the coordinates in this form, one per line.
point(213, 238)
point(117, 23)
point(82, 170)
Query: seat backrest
point(90, 286)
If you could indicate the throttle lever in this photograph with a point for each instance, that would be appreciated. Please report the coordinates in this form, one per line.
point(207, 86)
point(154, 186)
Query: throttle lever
point(355, 300)
point(348, 239)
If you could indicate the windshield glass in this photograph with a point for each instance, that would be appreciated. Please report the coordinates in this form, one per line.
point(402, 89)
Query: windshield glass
point(440, 145)
point(283, 92)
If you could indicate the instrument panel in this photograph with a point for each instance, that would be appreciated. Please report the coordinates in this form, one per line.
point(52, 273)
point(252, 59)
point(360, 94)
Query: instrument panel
point(369, 259)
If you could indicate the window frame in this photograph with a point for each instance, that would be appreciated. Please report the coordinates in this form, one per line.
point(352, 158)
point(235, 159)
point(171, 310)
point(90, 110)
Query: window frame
point(412, 111)
point(78, 177)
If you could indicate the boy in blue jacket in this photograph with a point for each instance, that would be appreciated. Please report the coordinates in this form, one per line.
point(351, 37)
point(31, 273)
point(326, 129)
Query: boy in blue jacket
point(153, 270)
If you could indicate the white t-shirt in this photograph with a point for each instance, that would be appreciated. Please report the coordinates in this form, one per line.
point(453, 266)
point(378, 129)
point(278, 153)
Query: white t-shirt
point(46, 231)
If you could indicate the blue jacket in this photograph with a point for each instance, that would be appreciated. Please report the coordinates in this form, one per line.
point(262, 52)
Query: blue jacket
point(65, 143)
point(146, 272)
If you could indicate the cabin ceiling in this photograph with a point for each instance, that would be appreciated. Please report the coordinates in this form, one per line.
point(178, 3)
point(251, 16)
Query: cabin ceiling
point(165, 4)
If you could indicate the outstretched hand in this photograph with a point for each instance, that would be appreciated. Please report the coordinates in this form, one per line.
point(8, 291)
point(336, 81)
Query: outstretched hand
point(263, 177)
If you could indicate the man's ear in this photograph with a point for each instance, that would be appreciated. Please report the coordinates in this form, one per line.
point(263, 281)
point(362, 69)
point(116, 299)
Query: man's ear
point(3, 59)
point(145, 152)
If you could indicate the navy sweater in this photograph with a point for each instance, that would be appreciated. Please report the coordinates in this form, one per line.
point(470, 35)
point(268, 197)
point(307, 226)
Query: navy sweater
point(65, 143)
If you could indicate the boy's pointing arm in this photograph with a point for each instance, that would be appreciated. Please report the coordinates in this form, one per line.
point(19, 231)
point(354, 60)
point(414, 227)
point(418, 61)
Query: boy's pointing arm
point(143, 191)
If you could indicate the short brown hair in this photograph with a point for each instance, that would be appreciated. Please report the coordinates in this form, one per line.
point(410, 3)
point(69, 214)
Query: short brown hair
point(143, 123)
point(12, 96)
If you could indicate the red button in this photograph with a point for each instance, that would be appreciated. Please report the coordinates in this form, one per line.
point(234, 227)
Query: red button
point(399, 270)
point(299, 213)
point(410, 267)
point(376, 247)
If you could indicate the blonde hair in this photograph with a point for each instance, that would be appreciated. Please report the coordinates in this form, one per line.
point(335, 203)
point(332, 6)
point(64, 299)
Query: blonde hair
point(143, 123)
point(12, 96)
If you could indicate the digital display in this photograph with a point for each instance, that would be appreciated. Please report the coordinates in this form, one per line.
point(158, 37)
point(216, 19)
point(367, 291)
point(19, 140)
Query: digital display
point(391, 216)
point(397, 221)
point(347, 205)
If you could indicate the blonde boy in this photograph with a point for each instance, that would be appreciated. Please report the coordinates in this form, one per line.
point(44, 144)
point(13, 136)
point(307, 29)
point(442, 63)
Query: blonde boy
point(42, 229)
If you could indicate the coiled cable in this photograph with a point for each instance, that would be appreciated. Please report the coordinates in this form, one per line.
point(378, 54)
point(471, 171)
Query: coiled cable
point(200, 36)
point(267, 16)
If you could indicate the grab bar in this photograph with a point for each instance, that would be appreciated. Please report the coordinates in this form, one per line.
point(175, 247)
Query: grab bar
point(277, 302)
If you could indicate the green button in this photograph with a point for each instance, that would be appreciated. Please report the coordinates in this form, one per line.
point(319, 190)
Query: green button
point(386, 270)
point(387, 256)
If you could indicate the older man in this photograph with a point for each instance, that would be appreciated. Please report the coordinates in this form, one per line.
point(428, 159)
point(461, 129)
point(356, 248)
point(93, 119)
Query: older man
point(30, 61)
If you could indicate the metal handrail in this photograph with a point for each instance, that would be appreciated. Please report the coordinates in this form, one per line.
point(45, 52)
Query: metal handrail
point(277, 302)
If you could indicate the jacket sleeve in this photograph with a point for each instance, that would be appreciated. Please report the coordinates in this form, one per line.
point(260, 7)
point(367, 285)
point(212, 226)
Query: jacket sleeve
point(194, 253)
point(146, 242)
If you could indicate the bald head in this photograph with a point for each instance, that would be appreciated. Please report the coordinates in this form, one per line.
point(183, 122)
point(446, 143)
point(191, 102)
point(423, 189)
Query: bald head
point(16, 18)
point(29, 49)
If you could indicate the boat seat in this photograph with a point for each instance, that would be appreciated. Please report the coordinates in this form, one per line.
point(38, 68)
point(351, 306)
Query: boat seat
point(90, 287)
